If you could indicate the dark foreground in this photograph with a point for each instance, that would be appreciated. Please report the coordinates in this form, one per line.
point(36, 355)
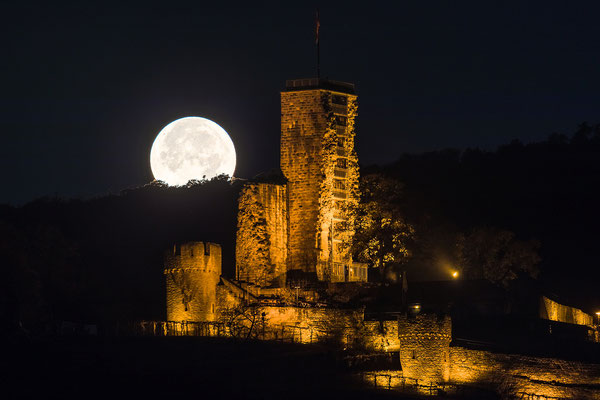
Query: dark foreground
point(173, 368)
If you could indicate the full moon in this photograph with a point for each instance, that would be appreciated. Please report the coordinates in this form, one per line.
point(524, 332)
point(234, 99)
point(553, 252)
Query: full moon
point(191, 148)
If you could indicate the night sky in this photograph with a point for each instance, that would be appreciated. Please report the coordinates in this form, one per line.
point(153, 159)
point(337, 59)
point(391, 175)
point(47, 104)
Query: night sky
point(86, 87)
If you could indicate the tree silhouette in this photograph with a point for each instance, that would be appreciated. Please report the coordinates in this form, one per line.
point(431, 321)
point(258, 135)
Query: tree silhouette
point(382, 234)
point(495, 255)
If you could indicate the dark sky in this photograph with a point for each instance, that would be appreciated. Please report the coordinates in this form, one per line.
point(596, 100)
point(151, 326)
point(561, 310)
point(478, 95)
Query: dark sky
point(86, 87)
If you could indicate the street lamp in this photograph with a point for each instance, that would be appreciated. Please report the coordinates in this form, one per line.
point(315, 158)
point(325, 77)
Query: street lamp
point(297, 287)
point(455, 274)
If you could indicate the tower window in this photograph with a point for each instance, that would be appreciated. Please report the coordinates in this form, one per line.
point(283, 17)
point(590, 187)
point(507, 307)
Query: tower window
point(341, 121)
point(341, 141)
point(338, 184)
point(341, 163)
point(341, 100)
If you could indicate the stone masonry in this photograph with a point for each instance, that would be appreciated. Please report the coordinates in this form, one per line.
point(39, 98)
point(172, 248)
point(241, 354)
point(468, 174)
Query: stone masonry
point(192, 272)
point(320, 163)
point(261, 250)
point(319, 200)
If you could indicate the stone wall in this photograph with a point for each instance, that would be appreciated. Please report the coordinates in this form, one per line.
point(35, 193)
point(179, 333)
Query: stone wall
point(425, 347)
point(343, 327)
point(192, 272)
point(261, 238)
point(553, 311)
point(426, 355)
point(513, 373)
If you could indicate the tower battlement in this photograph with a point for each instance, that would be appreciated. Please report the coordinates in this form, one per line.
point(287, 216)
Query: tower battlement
point(317, 83)
point(205, 257)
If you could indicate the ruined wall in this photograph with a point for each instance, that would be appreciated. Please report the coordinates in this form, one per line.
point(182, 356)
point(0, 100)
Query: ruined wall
point(192, 272)
point(337, 327)
point(554, 311)
point(425, 347)
point(513, 373)
point(261, 238)
point(345, 327)
point(426, 355)
point(319, 161)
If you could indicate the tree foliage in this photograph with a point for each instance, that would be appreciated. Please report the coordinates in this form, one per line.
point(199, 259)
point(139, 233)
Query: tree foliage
point(382, 235)
point(496, 255)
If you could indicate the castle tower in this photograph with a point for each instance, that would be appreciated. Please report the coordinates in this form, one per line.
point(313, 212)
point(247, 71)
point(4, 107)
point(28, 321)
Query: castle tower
point(320, 163)
point(425, 347)
point(192, 271)
point(261, 237)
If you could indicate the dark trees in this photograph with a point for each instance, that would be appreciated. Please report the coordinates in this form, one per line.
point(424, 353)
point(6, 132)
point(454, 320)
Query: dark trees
point(383, 236)
point(497, 256)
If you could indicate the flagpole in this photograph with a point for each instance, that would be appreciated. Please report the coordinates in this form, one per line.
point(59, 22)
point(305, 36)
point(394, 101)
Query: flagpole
point(318, 61)
point(317, 26)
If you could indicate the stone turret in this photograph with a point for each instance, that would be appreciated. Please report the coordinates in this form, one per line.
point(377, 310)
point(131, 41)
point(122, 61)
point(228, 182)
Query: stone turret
point(192, 272)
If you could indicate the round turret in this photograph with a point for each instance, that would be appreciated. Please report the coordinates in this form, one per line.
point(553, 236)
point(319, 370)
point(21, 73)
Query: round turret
point(192, 271)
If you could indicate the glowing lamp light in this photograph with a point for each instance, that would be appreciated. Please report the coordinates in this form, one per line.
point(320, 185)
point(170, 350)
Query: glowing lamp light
point(455, 274)
point(414, 308)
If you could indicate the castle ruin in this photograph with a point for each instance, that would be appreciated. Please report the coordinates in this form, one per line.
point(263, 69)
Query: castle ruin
point(305, 224)
point(302, 224)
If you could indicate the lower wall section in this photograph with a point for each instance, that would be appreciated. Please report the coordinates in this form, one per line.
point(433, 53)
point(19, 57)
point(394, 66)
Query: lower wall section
point(512, 373)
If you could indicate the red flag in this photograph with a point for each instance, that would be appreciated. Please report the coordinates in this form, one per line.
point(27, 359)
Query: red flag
point(317, 26)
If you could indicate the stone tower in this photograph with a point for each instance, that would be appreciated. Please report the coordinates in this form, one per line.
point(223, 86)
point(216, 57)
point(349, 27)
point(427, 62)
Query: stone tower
point(425, 347)
point(192, 273)
point(320, 164)
point(261, 237)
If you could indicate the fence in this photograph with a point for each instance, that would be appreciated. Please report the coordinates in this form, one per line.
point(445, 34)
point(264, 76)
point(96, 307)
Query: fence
point(280, 332)
point(398, 382)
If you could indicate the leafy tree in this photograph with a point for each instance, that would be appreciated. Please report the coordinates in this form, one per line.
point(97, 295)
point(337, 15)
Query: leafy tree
point(382, 235)
point(496, 255)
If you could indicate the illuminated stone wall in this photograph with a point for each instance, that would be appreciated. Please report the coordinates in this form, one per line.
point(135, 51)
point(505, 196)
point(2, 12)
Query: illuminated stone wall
point(554, 311)
point(426, 355)
point(320, 163)
point(515, 373)
point(192, 272)
point(261, 238)
point(346, 327)
point(425, 347)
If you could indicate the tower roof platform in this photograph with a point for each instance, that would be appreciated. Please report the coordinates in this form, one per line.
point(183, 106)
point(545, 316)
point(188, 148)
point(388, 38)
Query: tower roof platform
point(319, 83)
